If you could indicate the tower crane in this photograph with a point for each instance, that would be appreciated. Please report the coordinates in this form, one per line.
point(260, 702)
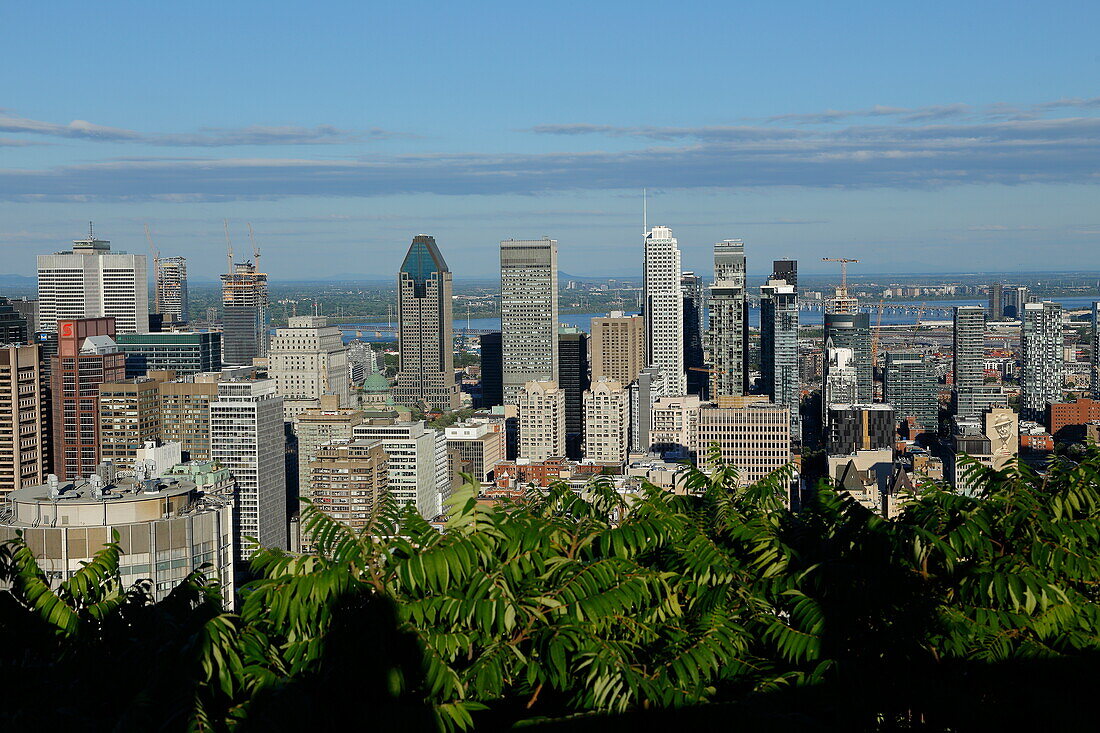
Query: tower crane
point(843, 270)
point(156, 269)
point(255, 247)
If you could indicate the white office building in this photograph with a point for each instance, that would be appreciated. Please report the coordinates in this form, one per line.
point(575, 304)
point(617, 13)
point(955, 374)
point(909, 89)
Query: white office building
point(308, 359)
point(91, 281)
point(418, 471)
point(246, 436)
point(664, 308)
point(528, 313)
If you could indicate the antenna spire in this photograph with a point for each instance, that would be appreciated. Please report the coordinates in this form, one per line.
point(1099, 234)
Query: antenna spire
point(91, 233)
point(645, 215)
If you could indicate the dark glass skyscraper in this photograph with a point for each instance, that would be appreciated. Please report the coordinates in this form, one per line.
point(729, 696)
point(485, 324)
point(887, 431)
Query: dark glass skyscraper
point(573, 378)
point(853, 331)
point(911, 387)
point(492, 370)
point(13, 327)
point(691, 287)
point(425, 336)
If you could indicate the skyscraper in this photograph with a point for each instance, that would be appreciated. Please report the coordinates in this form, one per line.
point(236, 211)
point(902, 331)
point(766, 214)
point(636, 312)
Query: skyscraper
point(244, 314)
point(1042, 377)
point(996, 302)
point(528, 313)
point(840, 385)
point(573, 378)
point(307, 359)
point(418, 471)
point(727, 320)
point(853, 331)
point(129, 417)
point(87, 357)
point(1015, 298)
point(618, 347)
point(691, 285)
point(972, 397)
point(779, 347)
point(425, 342)
point(171, 288)
point(664, 308)
point(90, 281)
point(911, 387)
point(246, 436)
point(492, 370)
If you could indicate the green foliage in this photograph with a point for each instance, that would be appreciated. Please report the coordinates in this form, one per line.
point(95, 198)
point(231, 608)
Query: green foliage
point(564, 604)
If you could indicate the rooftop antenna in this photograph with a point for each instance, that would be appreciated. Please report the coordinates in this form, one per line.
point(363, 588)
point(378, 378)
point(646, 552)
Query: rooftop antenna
point(645, 215)
point(228, 245)
point(255, 249)
point(91, 233)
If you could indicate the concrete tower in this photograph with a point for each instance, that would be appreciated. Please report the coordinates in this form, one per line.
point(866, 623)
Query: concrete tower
point(171, 288)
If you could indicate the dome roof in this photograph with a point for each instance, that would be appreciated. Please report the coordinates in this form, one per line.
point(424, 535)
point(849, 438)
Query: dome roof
point(376, 383)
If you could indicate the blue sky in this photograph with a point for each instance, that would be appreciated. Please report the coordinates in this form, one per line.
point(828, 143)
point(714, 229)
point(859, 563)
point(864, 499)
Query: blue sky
point(927, 136)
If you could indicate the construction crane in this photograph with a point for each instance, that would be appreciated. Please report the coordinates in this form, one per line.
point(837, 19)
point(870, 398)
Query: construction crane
point(876, 334)
point(228, 245)
point(255, 248)
point(156, 269)
point(920, 312)
point(843, 270)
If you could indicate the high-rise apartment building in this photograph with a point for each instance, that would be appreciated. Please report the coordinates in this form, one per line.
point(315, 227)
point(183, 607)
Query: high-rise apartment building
point(541, 421)
point(787, 271)
point(246, 436)
point(185, 413)
point(308, 359)
point(170, 296)
point(573, 378)
point(691, 286)
point(319, 425)
point(1042, 375)
point(972, 396)
point(129, 417)
point(14, 328)
point(1015, 298)
point(996, 302)
point(728, 329)
point(754, 437)
point(91, 281)
point(779, 347)
point(644, 392)
point(244, 314)
point(853, 331)
point(87, 357)
point(607, 422)
point(177, 351)
point(528, 313)
point(23, 449)
point(425, 339)
point(347, 480)
point(910, 385)
point(664, 308)
point(618, 347)
point(492, 370)
point(418, 472)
